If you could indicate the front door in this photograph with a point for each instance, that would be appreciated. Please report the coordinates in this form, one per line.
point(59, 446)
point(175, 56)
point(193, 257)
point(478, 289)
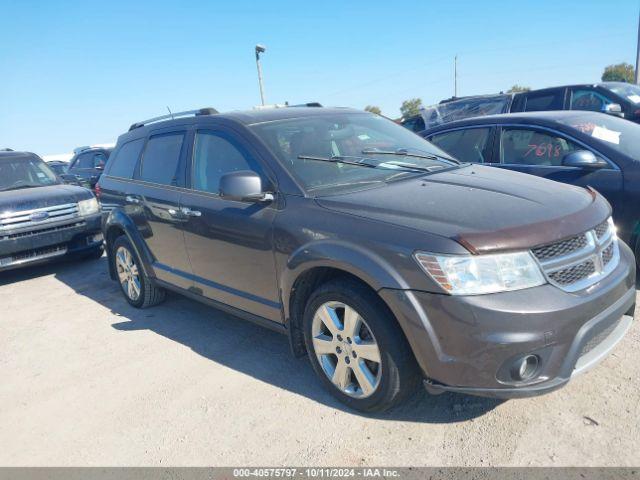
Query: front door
point(230, 243)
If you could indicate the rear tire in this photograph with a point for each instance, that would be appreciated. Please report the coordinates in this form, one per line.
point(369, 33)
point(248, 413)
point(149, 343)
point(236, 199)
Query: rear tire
point(136, 287)
point(345, 356)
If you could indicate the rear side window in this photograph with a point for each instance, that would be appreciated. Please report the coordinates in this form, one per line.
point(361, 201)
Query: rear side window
point(124, 162)
point(545, 101)
point(468, 145)
point(85, 160)
point(215, 156)
point(161, 158)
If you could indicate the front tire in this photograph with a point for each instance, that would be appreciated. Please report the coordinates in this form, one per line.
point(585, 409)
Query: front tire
point(134, 284)
point(357, 348)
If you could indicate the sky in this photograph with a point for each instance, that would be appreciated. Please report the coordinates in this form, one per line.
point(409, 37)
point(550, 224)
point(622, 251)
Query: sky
point(78, 73)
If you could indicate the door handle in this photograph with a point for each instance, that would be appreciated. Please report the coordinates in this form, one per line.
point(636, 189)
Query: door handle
point(131, 199)
point(190, 213)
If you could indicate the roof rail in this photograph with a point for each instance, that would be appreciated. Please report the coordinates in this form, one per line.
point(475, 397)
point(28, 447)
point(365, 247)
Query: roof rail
point(200, 111)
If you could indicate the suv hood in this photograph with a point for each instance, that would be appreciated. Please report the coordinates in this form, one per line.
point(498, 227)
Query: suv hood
point(39, 197)
point(482, 208)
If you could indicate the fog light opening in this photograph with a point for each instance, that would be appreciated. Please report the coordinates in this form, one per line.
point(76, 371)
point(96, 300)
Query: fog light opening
point(525, 368)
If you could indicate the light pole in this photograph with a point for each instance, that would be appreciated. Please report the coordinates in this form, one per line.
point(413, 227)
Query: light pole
point(260, 49)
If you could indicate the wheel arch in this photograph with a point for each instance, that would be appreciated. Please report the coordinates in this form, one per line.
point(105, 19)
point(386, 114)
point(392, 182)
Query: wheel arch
point(118, 224)
point(312, 265)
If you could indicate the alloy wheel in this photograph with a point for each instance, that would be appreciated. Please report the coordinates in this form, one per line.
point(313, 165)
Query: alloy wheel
point(346, 349)
point(128, 273)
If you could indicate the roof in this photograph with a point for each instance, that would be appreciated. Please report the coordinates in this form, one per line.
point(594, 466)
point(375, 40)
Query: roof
point(11, 155)
point(546, 116)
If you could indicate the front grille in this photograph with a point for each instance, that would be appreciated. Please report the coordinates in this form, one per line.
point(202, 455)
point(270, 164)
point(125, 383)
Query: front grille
point(602, 229)
point(37, 218)
point(598, 334)
point(580, 261)
point(560, 248)
point(573, 274)
point(31, 233)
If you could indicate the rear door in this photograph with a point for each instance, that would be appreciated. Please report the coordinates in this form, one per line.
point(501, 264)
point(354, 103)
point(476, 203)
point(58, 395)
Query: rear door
point(230, 243)
point(154, 204)
point(539, 152)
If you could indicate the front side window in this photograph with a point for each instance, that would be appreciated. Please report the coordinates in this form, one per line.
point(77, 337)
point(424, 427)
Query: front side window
point(99, 160)
point(348, 150)
point(521, 146)
point(124, 162)
point(583, 99)
point(467, 145)
point(161, 157)
point(544, 102)
point(20, 172)
point(214, 155)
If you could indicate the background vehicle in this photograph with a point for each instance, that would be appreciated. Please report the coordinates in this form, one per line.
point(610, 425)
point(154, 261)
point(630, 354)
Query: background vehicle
point(59, 167)
point(580, 148)
point(614, 98)
point(86, 166)
point(40, 218)
point(321, 224)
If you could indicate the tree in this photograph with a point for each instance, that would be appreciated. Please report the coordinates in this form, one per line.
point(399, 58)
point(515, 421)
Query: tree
point(411, 107)
point(518, 88)
point(373, 109)
point(621, 72)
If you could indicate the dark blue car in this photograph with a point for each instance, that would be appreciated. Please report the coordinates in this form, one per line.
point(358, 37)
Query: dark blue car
point(580, 148)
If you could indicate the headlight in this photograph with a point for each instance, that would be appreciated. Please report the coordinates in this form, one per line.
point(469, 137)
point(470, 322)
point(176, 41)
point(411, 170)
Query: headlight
point(88, 207)
point(478, 274)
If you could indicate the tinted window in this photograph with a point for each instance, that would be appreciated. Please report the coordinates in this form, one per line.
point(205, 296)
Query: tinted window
point(85, 160)
point(470, 145)
point(99, 160)
point(123, 163)
point(161, 158)
point(213, 156)
point(521, 146)
point(544, 101)
point(583, 99)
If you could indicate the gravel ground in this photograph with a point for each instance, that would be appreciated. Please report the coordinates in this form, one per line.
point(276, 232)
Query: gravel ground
point(88, 380)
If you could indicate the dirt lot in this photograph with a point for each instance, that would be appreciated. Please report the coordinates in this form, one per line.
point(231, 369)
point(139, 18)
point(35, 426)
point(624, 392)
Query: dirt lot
point(87, 380)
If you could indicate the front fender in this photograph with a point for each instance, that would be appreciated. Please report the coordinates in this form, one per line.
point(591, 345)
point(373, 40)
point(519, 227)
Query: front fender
point(351, 258)
point(118, 221)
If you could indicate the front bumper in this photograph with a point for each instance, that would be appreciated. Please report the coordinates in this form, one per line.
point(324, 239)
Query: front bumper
point(51, 242)
point(468, 344)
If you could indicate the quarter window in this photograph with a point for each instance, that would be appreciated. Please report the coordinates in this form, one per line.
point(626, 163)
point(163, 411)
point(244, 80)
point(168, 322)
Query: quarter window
point(467, 145)
point(161, 158)
point(124, 162)
point(214, 156)
point(519, 146)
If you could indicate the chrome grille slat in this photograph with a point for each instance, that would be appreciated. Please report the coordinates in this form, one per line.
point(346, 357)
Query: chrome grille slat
point(580, 261)
point(21, 220)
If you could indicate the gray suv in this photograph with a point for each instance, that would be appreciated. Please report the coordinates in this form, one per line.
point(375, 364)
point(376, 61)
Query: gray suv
point(381, 257)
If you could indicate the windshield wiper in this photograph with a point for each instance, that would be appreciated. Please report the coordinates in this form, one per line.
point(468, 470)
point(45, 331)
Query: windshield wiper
point(403, 152)
point(336, 159)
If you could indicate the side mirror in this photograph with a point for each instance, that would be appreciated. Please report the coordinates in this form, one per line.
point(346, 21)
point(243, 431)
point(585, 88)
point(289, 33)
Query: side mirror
point(243, 186)
point(613, 109)
point(583, 159)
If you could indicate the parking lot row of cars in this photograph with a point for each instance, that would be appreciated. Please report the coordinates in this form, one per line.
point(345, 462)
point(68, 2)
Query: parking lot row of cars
point(380, 255)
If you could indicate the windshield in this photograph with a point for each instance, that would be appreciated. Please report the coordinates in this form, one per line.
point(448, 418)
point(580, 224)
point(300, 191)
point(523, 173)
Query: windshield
point(329, 152)
point(621, 135)
point(24, 172)
point(625, 90)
